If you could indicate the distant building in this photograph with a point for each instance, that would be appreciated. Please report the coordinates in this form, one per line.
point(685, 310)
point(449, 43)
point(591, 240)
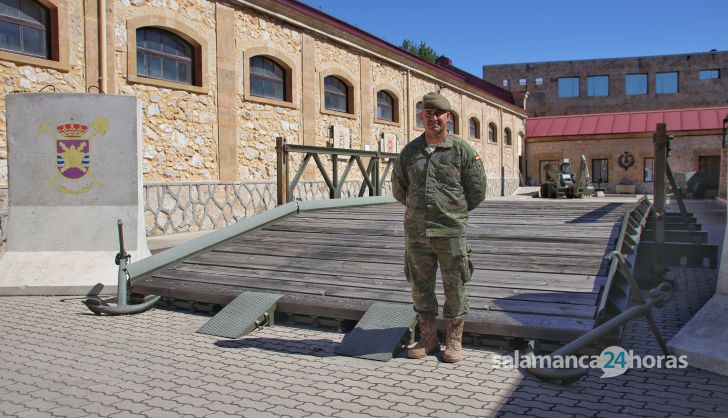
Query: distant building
point(617, 84)
point(620, 150)
point(607, 110)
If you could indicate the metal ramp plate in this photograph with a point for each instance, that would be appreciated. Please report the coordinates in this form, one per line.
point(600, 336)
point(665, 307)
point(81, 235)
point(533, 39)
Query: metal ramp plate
point(379, 333)
point(243, 315)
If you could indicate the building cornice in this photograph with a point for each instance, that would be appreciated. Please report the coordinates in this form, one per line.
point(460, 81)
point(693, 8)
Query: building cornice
point(315, 21)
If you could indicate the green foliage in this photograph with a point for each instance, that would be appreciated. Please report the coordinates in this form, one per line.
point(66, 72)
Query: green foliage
point(422, 50)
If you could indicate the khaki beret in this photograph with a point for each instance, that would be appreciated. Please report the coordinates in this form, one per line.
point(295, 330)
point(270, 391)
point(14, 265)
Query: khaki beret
point(435, 101)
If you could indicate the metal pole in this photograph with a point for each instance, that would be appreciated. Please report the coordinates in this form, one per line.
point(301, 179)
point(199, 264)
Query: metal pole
point(281, 172)
point(503, 181)
point(660, 139)
point(375, 172)
point(375, 177)
point(123, 258)
point(678, 198)
point(99, 306)
point(335, 193)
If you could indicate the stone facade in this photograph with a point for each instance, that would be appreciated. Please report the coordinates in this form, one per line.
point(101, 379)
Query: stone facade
point(20, 75)
point(171, 208)
point(686, 150)
point(539, 82)
point(179, 125)
point(209, 146)
point(543, 99)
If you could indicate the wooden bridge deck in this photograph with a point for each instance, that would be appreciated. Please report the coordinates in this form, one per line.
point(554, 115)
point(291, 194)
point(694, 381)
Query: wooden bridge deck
point(539, 267)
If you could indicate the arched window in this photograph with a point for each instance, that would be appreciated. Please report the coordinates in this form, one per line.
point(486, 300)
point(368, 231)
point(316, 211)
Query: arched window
point(385, 106)
point(507, 137)
point(452, 124)
point(267, 78)
point(163, 55)
point(24, 27)
point(418, 110)
point(474, 128)
point(336, 94)
point(492, 133)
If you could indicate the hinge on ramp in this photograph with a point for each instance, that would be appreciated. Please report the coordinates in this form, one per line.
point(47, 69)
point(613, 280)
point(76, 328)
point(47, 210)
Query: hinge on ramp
point(246, 313)
point(380, 332)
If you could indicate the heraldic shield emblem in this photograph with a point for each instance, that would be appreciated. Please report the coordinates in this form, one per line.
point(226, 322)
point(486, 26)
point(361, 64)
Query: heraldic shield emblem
point(73, 152)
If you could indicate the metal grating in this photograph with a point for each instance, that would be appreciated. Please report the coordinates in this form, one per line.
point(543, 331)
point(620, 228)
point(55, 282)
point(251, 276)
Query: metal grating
point(244, 314)
point(379, 333)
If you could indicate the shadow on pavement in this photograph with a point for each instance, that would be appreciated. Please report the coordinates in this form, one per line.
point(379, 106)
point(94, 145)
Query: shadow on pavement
point(312, 347)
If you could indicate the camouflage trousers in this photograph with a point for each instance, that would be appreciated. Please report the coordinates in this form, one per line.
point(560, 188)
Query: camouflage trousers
point(422, 256)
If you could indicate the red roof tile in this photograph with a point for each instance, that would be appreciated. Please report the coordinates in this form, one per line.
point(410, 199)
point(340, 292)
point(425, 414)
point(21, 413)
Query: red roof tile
point(627, 122)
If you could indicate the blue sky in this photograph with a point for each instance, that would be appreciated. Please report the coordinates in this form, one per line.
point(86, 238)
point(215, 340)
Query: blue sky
point(476, 33)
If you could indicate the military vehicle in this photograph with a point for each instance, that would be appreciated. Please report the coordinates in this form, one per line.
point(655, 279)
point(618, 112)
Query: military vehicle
point(562, 181)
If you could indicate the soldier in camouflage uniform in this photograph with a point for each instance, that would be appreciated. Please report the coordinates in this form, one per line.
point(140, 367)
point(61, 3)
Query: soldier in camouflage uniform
point(439, 178)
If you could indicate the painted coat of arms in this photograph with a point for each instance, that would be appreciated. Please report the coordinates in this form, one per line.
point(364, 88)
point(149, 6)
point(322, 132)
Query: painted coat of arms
point(389, 143)
point(342, 137)
point(73, 154)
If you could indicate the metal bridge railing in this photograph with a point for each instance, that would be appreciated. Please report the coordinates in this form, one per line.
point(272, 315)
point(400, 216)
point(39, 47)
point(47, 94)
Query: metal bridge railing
point(615, 295)
point(373, 175)
point(621, 287)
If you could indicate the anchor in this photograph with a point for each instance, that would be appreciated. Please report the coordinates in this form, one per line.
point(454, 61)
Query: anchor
point(99, 306)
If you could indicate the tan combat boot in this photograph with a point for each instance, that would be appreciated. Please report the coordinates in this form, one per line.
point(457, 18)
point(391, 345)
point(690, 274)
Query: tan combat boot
point(454, 341)
point(428, 343)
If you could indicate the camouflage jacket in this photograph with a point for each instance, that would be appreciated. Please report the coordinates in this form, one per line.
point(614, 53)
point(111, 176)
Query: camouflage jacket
point(438, 188)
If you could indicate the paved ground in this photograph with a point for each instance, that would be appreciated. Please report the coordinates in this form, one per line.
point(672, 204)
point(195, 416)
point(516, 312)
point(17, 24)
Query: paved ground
point(56, 359)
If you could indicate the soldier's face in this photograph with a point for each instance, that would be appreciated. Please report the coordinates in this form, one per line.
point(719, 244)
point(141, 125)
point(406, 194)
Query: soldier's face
point(435, 120)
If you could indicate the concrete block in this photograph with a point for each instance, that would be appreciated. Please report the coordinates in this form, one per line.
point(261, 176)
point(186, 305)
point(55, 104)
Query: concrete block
point(705, 337)
point(74, 169)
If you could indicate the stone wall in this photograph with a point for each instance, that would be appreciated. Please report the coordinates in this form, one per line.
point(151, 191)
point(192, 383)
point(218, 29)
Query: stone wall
point(686, 148)
point(171, 208)
point(187, 129)
point(544, 100)
point(260, 121)
point(20, 78)
point(180, 125)
point(209, 147)
point(386, 77)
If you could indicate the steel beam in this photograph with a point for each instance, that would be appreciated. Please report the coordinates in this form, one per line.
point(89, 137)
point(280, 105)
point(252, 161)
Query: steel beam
point(661, 141)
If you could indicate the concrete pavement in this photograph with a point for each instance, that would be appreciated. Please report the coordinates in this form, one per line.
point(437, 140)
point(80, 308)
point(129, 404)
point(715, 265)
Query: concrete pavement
point(57, 359)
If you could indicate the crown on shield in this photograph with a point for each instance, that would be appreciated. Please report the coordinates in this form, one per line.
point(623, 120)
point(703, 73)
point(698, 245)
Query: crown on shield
point(72, 130)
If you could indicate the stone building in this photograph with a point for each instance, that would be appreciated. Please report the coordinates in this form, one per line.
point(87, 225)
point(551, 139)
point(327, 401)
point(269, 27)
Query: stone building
point(626, 97)
point(617, 84)
point(220, 80)
point(619, 148)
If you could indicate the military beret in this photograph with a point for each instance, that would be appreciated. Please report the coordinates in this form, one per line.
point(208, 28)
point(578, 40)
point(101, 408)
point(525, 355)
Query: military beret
point(435, 101)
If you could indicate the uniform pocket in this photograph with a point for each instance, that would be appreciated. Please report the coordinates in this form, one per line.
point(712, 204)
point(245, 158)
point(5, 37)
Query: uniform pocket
point(407, 269)
point(465, 262)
